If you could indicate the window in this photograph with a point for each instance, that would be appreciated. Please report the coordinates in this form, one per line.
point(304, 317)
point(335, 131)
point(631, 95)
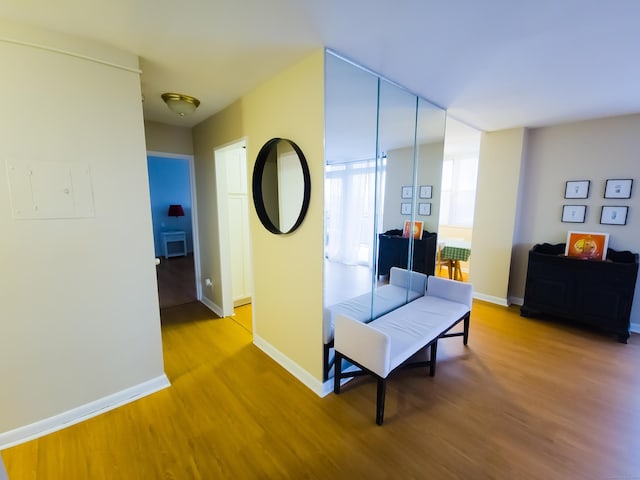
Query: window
point(459, 175)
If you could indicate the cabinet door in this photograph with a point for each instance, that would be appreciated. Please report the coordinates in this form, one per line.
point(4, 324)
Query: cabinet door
point(604, 296)
point(393, 253)
point(549, 288)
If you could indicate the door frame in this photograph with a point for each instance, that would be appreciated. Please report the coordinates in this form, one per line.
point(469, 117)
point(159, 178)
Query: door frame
point(194, 212)
point(223, 223)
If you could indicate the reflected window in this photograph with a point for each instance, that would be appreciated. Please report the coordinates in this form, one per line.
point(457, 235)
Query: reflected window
point(350, 212)
point(459, 174)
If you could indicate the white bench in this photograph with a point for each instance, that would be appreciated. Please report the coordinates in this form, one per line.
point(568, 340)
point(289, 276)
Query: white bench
point(404, 286)
point(385, 344)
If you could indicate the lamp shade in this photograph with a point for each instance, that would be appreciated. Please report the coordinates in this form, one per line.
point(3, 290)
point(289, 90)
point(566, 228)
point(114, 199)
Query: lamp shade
point(176, 211)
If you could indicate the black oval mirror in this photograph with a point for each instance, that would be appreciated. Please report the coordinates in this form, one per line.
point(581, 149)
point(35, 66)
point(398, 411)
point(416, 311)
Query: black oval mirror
point(281, 186)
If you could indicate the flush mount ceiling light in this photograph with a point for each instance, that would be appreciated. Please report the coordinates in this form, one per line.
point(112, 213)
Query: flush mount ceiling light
point(180, 104)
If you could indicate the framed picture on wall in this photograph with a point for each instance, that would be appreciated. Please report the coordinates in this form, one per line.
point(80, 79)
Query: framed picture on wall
point(426, 191)
point(424, 209)
point(405, 208)
point(577, 189)
point(618, 188)
point(407, 192)
point(574, 213)
point(614, 215)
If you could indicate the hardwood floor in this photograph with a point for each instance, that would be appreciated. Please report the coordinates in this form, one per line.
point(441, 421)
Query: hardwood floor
point(176, 281)
point(527, 399)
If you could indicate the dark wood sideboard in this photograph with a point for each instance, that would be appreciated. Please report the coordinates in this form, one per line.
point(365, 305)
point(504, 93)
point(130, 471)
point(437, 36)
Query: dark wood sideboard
point(589, 292)
point(393, 251)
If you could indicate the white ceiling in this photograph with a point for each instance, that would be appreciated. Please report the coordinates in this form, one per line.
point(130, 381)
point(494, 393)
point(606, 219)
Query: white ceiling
point(494, 64)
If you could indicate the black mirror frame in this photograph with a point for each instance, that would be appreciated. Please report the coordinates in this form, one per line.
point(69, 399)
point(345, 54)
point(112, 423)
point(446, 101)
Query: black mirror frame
point(258, 171)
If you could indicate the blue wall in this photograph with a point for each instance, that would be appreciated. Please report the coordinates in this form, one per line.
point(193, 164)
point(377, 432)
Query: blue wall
point(169, 184)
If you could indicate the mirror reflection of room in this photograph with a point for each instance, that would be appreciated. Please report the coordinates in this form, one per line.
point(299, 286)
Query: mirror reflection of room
point(382, 144)
point(457, 204)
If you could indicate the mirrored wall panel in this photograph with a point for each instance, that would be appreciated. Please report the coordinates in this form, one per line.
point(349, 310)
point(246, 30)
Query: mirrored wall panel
point(383, 167)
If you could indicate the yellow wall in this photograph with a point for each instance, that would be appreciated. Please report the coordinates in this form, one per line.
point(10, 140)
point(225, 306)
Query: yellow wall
point(79, 315)
point(495, 214)
point(287, 269)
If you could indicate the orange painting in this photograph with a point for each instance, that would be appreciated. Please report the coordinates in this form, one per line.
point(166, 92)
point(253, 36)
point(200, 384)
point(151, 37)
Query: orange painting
point(417, 229)
point(587, 245)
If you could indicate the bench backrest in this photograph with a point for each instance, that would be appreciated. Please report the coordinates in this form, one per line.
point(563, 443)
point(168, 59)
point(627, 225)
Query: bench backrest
point(415, 281)
point(460, 292)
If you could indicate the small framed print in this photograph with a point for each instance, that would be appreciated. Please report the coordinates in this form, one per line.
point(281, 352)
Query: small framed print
point(574, 213)
point(426, 191)
point(405, 208)
point(577, 189)
point(424, 208)
point(618, 188)
point(407, 192)
point(614, 215)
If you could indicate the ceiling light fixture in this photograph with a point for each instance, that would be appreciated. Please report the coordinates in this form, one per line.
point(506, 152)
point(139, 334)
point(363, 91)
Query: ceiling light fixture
point(180, 104)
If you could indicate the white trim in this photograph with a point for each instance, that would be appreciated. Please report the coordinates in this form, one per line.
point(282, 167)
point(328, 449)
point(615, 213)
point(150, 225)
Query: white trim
point(516, 300)
point(289, 365)
point(212, 306)
point(71, 54)
point(224, 239)
point(82, 413)
point(491, 299)
point(634, 327)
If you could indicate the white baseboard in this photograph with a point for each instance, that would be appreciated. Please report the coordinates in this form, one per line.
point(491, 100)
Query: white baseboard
point(81, 413)
point(212, 306)
point(289, 365)
point(491, 299)
point(516, 301)
point(635, 327)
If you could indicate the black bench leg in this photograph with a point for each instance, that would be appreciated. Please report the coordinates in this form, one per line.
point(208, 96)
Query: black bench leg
point(433, 349)
point(327, 366)
point(465, 337)
point(382, 389)
point(336, 372)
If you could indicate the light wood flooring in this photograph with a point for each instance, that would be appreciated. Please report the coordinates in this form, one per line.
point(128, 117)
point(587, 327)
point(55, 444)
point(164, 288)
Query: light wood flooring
point(176, 281)
point(527, 399)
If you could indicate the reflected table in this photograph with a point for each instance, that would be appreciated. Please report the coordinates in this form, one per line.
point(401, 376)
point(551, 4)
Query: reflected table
point(452, 254)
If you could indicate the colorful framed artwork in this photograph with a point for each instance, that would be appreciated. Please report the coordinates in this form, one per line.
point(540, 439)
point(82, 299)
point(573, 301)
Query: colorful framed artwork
point(415, 232)
point(407, 192)
point(424, 209)
point(577, 189)
point(587, 245)
point(426, 191)
point(612, 215)
point(405, 208)
point(618, 188)
point(574, 213)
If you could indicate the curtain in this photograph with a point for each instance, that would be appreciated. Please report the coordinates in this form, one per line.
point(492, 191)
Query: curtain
point(349, 215)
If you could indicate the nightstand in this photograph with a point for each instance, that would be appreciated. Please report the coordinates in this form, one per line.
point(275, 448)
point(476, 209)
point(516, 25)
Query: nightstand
point(175, 244)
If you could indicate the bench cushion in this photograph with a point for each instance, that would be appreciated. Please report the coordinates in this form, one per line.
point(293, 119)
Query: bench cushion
point(403, 287)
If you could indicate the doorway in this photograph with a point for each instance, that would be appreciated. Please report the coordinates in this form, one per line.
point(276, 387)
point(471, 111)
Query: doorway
point(457, 202)
point(236, 270)
point(173, 214)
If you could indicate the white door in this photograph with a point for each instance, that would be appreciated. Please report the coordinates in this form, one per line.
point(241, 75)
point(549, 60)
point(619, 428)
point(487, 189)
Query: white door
point(233, 214)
